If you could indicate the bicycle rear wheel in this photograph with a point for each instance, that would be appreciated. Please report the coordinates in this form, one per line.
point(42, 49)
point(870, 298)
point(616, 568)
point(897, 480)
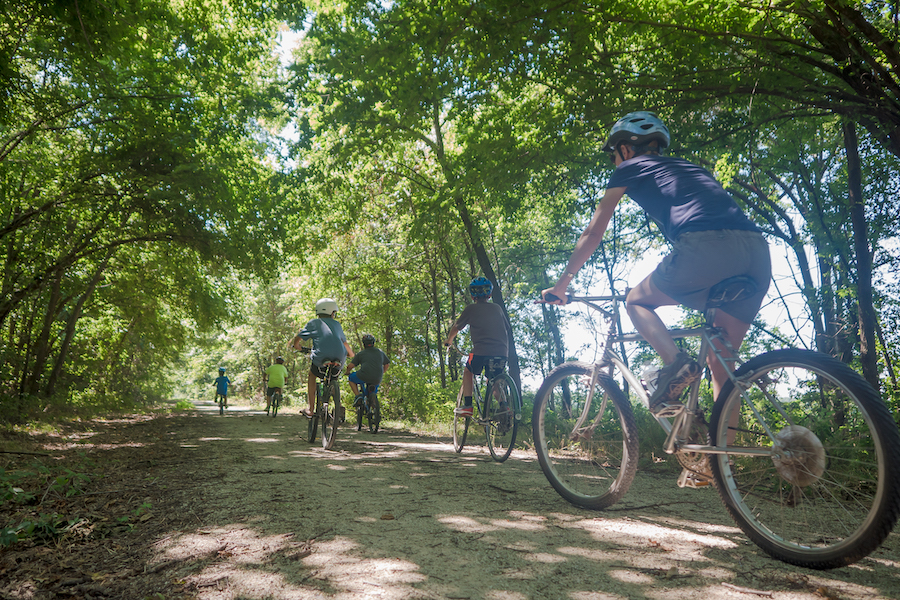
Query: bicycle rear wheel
point(331, 403)
point(221, 406)
point(460, 425)
point(502, 408)
point(815, 476)
point(585, 436)
point(373, 412)
point(276, 402)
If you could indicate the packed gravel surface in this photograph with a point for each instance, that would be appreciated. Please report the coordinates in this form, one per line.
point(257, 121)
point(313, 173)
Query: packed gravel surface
point(241, 506)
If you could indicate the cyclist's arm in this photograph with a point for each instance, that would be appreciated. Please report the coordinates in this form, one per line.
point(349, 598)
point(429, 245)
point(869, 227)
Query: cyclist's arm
point(350, 352)
point(451, 335)
point(588, 242)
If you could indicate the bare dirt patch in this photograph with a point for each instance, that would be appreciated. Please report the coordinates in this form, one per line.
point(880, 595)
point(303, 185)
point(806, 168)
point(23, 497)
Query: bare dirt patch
point(195, 505)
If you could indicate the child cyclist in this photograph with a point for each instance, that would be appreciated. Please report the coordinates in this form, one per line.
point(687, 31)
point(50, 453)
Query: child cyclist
point(329, 345)
point(221, 384)
point(275, 377)
point(489, 332)
point(712, 240)
point(372, 362)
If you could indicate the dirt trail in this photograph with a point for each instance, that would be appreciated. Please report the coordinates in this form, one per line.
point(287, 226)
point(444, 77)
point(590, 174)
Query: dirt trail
point(245, 508)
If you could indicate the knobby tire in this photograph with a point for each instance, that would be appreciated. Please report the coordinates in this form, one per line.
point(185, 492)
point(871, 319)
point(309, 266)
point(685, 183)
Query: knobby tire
point(501, 429)
point(826, 491)
point(594, 467)
point(331, 402)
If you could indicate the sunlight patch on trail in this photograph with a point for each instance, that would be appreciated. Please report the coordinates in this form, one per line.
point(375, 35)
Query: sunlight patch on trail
point(252, 566)
point(621, 530)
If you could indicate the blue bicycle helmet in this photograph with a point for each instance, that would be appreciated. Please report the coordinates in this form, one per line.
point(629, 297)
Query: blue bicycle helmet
point(481, 287)
point(638, 128)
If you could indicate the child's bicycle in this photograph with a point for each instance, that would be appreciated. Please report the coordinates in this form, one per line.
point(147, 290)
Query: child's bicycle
point(498, 410)
point(222, 401)
point(329, 411)
point(367, 406)
point(802, 450)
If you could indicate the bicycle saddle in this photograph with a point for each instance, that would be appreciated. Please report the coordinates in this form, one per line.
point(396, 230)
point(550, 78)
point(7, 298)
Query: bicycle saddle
point(731, 290)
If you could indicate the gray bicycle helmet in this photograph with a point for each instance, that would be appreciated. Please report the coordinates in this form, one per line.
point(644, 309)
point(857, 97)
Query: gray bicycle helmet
point(368, 340)
point(638, 128)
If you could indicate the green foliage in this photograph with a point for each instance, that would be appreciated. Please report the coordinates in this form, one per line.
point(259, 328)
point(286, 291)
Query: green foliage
point(133, 174)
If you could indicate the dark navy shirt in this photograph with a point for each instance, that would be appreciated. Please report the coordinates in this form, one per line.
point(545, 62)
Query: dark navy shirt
point(679, 195)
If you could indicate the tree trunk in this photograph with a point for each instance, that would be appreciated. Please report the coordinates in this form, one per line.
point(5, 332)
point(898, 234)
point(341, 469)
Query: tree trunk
point(866, 306)
point(42, 347)
point(70, 325)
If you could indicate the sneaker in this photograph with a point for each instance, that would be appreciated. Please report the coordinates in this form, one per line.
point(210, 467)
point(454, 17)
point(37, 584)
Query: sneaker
point(358, 401)
point(307, 413)
point(673, 379)
point(464, 411)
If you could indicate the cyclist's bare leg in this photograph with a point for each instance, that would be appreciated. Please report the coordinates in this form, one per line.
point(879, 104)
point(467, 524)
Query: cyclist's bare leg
point(311, 391)
point(467, 383)
point(733, 330)
point(640, 304)
point(355, 389)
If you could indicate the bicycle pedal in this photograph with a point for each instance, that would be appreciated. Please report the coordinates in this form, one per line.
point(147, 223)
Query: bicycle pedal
point(669, 411)
point(688, 479)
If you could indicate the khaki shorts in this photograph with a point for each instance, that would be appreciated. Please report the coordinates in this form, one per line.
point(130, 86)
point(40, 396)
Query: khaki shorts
point(701, 259)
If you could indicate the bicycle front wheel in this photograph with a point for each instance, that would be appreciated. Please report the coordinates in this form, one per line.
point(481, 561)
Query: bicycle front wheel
point(502, 408)
point(331, 402)
point(812, 475)
point(585, 436)
point(313, 425)
point(460, 425)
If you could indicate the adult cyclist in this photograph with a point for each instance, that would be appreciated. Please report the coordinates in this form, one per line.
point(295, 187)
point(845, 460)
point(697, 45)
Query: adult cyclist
point(712, 240)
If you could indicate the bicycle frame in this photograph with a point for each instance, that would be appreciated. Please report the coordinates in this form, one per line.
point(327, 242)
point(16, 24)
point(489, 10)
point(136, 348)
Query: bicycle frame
point(611, 360)
point(805, 453)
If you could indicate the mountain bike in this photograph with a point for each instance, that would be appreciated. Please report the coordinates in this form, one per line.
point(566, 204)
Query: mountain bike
point(276, 401)
point(329, 411)
point(498, 410)
point(802, 450)
point(367, 406)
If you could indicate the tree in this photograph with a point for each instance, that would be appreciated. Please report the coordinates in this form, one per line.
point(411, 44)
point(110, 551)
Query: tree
point(133, 134)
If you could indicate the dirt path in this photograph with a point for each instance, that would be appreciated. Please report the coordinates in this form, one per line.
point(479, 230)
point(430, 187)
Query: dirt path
point(244, 508)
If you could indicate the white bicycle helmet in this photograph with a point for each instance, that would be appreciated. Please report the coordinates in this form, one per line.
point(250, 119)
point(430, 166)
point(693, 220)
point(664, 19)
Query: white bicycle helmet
point(638, 128)
point(326, 306)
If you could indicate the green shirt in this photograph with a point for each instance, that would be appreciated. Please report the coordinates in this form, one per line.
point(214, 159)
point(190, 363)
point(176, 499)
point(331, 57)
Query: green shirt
point(276, 374)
